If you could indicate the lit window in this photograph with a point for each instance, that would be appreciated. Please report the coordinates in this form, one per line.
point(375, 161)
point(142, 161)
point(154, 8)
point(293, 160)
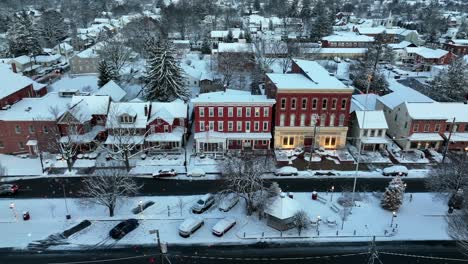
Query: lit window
point(257, 111)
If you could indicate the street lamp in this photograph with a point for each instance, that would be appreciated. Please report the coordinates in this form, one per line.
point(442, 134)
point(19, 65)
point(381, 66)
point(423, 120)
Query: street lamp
point(393, 217)
point(140, 203)
point(332, 189)
point(318, 223)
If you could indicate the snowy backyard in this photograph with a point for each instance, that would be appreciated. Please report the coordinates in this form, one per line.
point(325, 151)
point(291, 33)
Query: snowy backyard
point(366, 220)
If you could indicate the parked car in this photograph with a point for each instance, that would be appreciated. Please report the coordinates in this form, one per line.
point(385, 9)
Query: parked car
point(223, 225)
point(8, 189)
point(337, 59)
point(123, 228)
point(197, 172)
point(190, 225)
point(205, 202)
point(165, 173)
point(286, 171)
point(395, 170)
point(347, 60)
point(228, 202)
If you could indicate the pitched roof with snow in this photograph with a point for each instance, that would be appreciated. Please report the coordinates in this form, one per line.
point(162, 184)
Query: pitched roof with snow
point(23, 59)
point(46, 108)
point(235, 47)
point(401, 93)
point(232, 96)
point(400, 45)
point(283, 207)
point(11, 82)
point(362, 102)
point(438, 111)
point(135, 109)
point(371, 119)
point(168, 111)
point(348, 37)
point(84, 107)
point(224, 33)
point(113, 90)
point(430, 53)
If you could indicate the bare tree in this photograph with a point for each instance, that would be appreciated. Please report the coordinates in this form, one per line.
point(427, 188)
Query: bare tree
point(232, 62)
point(450, 178)
point(243, 175)
point(458, 227)
point(3, 171)
point(125, 140)
point(115, 53)
point(180, 204)
point(294, 51)
point(108, 187)
point(301, 221)
point(267, 52)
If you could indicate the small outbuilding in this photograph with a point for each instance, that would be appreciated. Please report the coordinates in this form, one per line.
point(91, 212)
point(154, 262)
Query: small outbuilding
point(280, 213)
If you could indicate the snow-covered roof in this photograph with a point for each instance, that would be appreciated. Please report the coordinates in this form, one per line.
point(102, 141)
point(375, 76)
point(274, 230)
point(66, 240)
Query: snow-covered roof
point(168, 111)
point(136, 109)
point(314, 77)
point(224, 33)
point(400, 94)
point(91, 52)
point(113, 90)
point(22, 59)
point(235, 47)
point(438, 111)
point(116, 140)
point(457, 137)
point(425, 137)
point(400, 45)
point(84, 107)
point(371, 119)
point(191, 71)
point(232, 96)
point(46, 108)
point(430, 53)
point(64, 46)
point(38, 86)
point(460, 42)
point(348, 37)
point(361, 102)
point(174, 136)
point(47, 58)
point(283, 207)
point(11, 82)
point(334, 50)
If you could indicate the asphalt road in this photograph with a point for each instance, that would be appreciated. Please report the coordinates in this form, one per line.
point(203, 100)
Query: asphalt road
point(53, 187)
point(312, 253)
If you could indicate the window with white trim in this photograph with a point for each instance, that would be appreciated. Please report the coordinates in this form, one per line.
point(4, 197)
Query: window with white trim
point(265, 126)
point(324, 103)
point(343, 104)
point(292, 120)
point(230, 125)
point(202, 126)
point(256, 126)
point(21, 145)
point(201, 111)
point(332, 120)
point(230, 111)
point(211, 111)
point(247, 111)
point(266, 111)
point(32, 129)
point(220, 111)
point(313, 120)
point(220, 125)
point(283, 103)
point(303, 116)
point(282, 118)
point(341, 120)
point(304, 103)
point(247, 126)
point(257, 111)
point(239, 111)
point(314, 103)
point(293, 103)
point(239, 126)
point(334, 102)
point(17, 129)
point(323, 119)
point(211, 125)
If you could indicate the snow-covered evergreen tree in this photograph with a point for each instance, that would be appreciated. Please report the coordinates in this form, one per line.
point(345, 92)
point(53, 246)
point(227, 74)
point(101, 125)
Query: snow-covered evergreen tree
point(164, 80)
point(229, 37)
point(452, 84)
point(206, 49)
point(52, 27)
point(322, 25)
point(22, 36)
point(106, 73)
point(392, 198)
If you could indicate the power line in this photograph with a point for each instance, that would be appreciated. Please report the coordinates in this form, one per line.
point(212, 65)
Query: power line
point(422, 257)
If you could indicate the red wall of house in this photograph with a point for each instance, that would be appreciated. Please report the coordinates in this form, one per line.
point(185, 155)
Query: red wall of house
point(160, 123)
point(10, 139)
point(234, 118)
point(308, 111)
point(432, 126)
point(27, 91)
point(456, 49)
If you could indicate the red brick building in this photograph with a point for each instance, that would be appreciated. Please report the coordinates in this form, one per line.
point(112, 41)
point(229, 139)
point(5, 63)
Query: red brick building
point(458, 47)
point(232, 120)
point(310, 104)
point(347, 40)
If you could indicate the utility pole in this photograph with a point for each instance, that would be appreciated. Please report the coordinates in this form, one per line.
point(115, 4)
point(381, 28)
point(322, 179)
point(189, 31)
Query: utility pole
point(162, 251)
point(373, 253)
point(448, 140)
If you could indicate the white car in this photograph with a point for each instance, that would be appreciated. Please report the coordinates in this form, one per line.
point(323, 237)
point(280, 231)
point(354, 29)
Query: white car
point(337, 59)
point(205, 202)
point(197, 172)
point(228, 202)
point(286, 171)
point(189, 226)
point(395, 170)
point(223, 225)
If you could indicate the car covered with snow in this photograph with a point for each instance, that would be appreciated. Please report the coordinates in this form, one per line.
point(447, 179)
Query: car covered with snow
point(205, 202)
point(228, 202)
point(286, 171)
point(395, 170)
point(197, 172)
point(8, 189)
point(223, 225)
point(165, 173)
point(123, 228)
point(190, 225)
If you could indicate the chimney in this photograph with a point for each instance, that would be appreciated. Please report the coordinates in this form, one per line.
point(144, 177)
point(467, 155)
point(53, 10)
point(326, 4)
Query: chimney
point(13, 67)
point(146, 110)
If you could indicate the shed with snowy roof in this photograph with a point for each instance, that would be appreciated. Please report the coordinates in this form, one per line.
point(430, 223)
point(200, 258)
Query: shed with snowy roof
point(280, 213)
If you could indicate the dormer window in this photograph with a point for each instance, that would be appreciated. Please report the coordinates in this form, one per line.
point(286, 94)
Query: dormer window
point(127, 119)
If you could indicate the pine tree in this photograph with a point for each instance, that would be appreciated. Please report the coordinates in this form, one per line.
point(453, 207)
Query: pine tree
point(106, 73)
point(164, 81)
point(393, 196)
point(206, 48)
point(248, 37)
point(322, 25)
point(229, 37)
point(21, 36)
point(256, 5)
point(452, 84)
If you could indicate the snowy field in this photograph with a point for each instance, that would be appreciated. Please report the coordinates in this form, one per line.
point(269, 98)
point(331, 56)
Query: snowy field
point(367, 219)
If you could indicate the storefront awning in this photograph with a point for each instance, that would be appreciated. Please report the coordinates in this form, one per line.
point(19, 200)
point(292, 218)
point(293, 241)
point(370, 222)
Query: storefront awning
point(425, 137)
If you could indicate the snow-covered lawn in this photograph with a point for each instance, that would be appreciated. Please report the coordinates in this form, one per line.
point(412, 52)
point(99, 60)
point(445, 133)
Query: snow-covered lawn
point(410, 156)
point(368, 156)
point(17, 166)
point(84, 83)
point(423, 218)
